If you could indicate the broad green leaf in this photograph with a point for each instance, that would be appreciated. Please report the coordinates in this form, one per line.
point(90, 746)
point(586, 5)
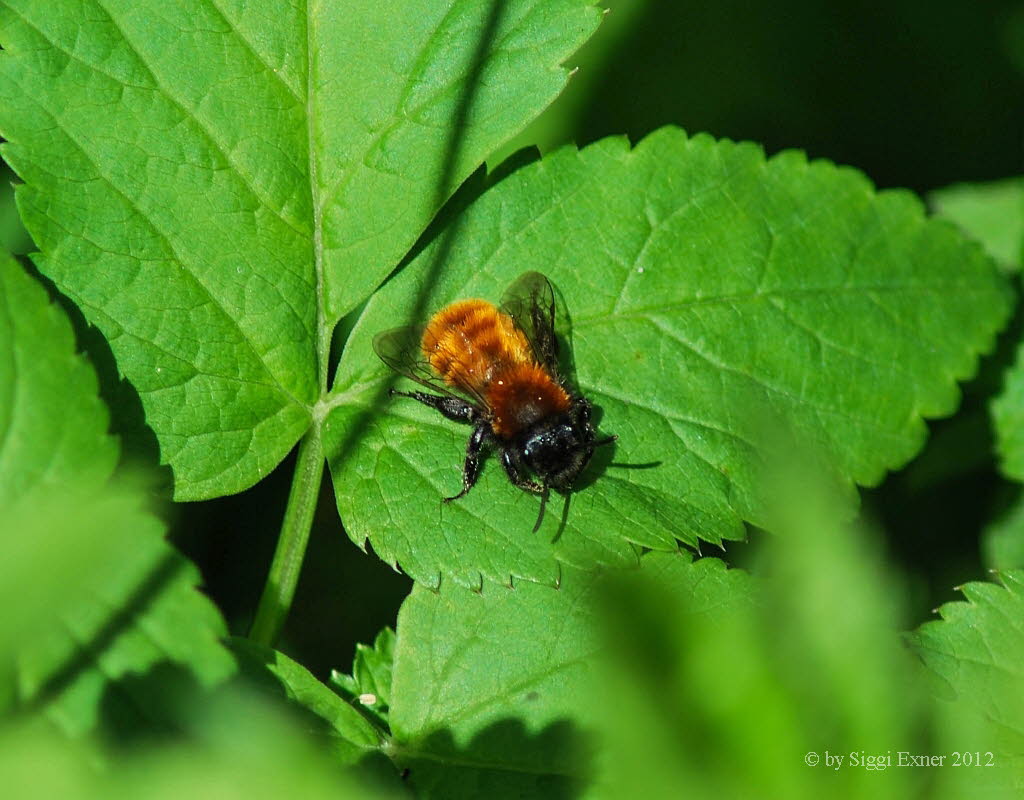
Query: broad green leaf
point(370, 681)
point(993, 213)
point(710, 290)
point(93, 598)
point(977, 652)
point(353, 735)
point(493, 694)
point(215, 184)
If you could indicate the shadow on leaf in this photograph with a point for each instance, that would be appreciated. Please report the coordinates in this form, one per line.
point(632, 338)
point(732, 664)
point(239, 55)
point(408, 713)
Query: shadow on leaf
point(127, 415)
point(502, 761)
point(148, 708)
point(89, 653)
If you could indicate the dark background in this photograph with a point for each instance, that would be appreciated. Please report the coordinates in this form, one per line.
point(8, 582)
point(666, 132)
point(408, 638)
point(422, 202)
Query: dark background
point(915, 94)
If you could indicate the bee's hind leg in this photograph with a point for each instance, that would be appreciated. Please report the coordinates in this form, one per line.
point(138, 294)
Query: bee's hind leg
point(474, 459)
point(451, 407)
point(459, 411)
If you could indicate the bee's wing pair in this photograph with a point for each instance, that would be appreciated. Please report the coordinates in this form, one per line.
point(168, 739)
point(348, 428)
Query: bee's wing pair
point(529, 301)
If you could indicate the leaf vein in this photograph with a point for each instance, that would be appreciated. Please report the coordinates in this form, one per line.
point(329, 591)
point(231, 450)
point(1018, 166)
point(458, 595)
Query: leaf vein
point(187, 268)
point(293, 91)
point(161, 89)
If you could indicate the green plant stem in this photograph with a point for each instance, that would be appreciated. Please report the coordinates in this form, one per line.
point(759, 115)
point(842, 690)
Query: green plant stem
point(279, 589)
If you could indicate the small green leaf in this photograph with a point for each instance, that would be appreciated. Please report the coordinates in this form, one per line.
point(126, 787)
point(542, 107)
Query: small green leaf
point(370, 681)
point(353, 735)
point(977, 651)
point(709, 290)
point(93, 598)
point(993, 213)
point(492, 692)
point(215, 183)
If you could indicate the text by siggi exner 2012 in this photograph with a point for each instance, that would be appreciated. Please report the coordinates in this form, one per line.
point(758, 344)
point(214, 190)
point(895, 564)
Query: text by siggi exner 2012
point(880, 761)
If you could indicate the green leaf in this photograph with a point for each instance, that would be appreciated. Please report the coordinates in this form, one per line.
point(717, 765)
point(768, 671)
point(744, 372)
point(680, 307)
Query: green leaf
point(1002, 542)
point(53, 425)
point(560, 122)
point(488, 689)
point(239, 747)
point(215, 184)
point(352, 734)
point(93, 598)
point(370, 681)
point(993, 213)
point(1008, 416)
point(492, 693)
point(710, 291)
point(977, 652)
point(103, 653)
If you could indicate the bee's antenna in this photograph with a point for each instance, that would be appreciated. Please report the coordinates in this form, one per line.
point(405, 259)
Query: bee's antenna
point(609, 440)
point(543, 503)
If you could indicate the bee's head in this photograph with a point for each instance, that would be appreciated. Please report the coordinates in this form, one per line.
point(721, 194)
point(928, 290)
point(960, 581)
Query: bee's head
point(558, 448)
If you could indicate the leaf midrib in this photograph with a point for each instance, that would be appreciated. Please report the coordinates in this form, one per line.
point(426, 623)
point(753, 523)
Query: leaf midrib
point(323, 334)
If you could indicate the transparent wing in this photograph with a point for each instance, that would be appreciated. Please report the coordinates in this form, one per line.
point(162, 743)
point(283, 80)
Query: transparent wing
point(400, 349)
point(530, 301)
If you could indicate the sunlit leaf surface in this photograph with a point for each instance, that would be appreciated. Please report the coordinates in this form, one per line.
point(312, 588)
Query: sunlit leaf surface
point(215, 183)
point(717, 300)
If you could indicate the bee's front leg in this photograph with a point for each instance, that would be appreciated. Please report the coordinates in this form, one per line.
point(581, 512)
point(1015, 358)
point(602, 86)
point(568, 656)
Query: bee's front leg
point(517, 472)
point(474, 459)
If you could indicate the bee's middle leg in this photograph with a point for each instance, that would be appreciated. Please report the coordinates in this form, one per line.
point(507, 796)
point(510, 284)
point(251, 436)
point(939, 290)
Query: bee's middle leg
point(451, 407)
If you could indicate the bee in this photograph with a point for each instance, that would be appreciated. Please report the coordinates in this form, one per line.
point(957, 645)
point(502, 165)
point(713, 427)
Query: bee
point(496, 368)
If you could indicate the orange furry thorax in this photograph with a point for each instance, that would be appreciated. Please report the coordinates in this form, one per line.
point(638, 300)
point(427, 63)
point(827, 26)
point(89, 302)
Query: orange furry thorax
point(478, 349)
